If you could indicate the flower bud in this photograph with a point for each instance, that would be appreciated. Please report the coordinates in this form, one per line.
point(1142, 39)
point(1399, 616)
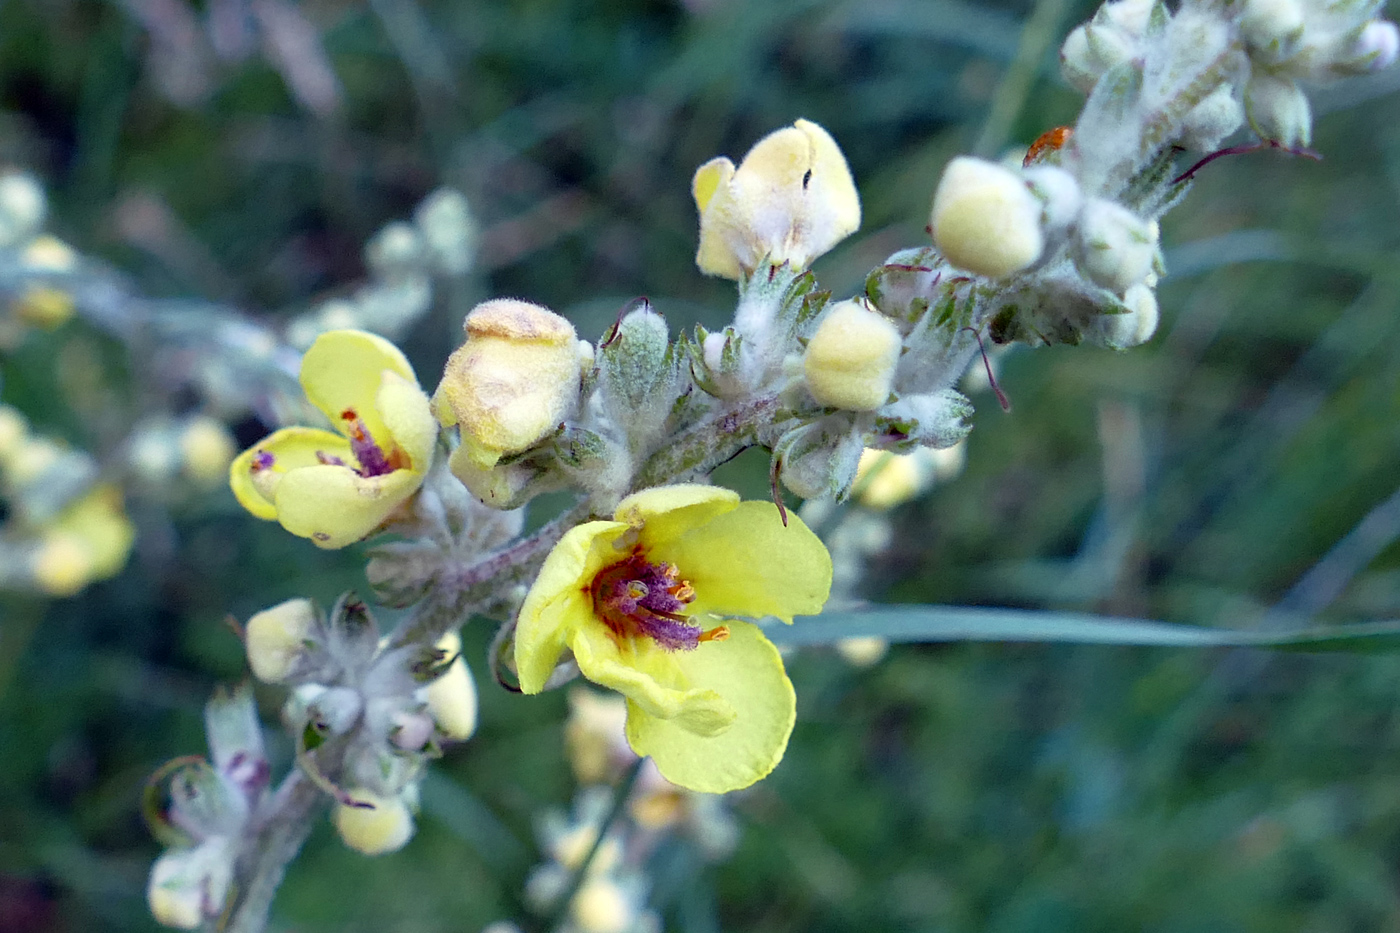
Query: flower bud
point(1376, 48)
point(206, 449)
point(935, 419)
point(514, 380)
point(1114, 247)
point(61, 565)
point(851, 359)
point(44, 307)
point(984, 218)
point(1271, 29)
point(637, 369)
point(863, 651)
point(1278, 110)
point(600, 906)
point(790, 200)
point(23, 207)
point(452, 697)
point(1077, 63)
point(48, 254)
point(885, 480)
point(1209, 122)
point(817, 464)
point(1058, 193)
point(384, 826)
point(189, 886)
point(277, 638)
point(445, 218)
point(395, 251)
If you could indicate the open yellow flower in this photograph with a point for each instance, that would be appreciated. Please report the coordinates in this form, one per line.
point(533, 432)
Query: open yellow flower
point(337, 488)
point(790, 200)
point(640, 600)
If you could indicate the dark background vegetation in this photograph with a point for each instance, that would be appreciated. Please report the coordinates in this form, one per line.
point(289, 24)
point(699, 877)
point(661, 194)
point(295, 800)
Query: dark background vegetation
point(1005, 788)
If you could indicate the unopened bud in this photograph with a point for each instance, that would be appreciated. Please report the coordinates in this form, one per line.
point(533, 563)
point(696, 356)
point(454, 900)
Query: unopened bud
point(638, 372)
point(1271, 28)
point(445, 218)
point(206, 448)
point(1214, 118)
point(23, 207)
point(48, 254)
point(44, 307)
point(600, 906)
point(1278, 110)
point(1113, 246)
point(395, 251)
point(885, 480)
point(514, 380)
point(985, 219)
point(61, 565)
point(1058, 193)
point(188, 887)
point(277, 638)
point(851, 359)
point(452, 697)
point(384, 826)
point(1377, 47)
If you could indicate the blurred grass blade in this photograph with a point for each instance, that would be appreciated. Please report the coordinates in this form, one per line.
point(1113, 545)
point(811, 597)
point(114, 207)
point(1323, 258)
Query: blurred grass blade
point(961, 623)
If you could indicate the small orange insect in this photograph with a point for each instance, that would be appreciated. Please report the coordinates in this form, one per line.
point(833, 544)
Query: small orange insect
point(1051, 140)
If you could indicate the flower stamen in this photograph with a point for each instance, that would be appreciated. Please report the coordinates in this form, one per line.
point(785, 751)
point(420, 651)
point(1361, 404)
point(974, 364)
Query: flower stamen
point(636, 597)
point(372, 458)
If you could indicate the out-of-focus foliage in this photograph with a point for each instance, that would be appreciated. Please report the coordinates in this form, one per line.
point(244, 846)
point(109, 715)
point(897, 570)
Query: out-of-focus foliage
point(998, 788)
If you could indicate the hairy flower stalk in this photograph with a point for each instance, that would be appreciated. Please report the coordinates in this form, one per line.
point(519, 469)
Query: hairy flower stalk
point(653, 583)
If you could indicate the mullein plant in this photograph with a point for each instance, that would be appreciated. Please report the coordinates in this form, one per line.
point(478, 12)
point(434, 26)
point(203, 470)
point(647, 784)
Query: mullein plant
point(656, 585)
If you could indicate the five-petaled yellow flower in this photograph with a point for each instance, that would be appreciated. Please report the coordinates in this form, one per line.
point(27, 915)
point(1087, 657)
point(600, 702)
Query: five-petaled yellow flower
point(646, 602)
point(790, 200)
point(337, 488)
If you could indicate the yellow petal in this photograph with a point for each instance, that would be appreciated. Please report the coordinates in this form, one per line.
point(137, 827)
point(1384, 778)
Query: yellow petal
point(408, 417)
point(665, 512)
point(708, 178)
point(747, 672)
point(343, 368)
point(334, 506)
point(833, 204)
point(651, 678)
point(744, 562)
point(290, 448)
point(559, 600)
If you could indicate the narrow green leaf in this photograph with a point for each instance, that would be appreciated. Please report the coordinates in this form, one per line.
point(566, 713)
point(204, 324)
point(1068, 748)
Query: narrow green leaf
point(962, 623)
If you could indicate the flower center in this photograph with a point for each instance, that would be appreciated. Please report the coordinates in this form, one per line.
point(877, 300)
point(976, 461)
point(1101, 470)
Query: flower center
point(372, 458)
point(636, 597)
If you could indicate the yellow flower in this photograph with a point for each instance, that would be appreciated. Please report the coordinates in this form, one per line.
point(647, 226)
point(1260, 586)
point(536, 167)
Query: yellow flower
point(985, 219)
point(511, 384)
point(790, 200)
point(639, 601)
point(88, 541)
point(337, 489)
point(452, 697)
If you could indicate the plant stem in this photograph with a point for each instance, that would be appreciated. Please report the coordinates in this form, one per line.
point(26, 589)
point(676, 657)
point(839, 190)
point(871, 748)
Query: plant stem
point(283, 829)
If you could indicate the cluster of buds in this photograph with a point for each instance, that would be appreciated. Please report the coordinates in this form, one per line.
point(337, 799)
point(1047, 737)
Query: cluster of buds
point(34, 266)
point(385, 710)
point(164, 452)
point(202, 811)
point(64, 529)
point(404, 258)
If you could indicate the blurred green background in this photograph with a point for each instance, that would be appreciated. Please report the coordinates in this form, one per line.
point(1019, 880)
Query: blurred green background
point(245, 153)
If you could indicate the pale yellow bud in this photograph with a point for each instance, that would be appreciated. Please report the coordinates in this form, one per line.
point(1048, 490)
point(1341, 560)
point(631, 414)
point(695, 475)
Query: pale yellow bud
point(984, 218)
point(13, 431)
point(885, 480)
point(276, 638)
point(851, 359)
point(174, 899)
point(601, 906)
point(61, 565)
point(863, 651)
point(594, 734)
point(35, 456)
point(385, 826)
point(452, 697)
point(49, 254)
point(514, 380)
point(207, 448)
point(44, 307)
